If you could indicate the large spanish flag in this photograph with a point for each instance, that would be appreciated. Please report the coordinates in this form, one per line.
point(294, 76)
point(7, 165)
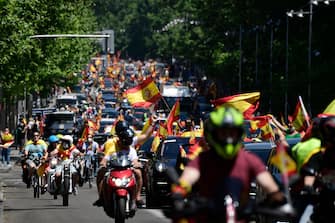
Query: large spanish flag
point(173, 116)
point(246, 103)
point(144, 94)
point(300, 118)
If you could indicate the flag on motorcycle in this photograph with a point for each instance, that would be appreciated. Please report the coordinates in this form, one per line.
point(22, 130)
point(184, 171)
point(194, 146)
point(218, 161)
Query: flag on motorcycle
point(172, 117)
point(143, 95)
point(300, 118)
point(246, 103)
point(283, 161)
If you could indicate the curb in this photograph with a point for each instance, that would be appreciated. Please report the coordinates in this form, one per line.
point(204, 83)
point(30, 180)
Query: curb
point(2, 199)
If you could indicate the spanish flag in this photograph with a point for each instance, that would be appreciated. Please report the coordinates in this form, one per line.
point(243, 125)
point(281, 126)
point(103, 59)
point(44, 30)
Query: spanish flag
point(143, 95)
point(283, 161)
point(262, 123)
point(173, 116)
point(300, 118)
point(155, 143)
point(246, 103)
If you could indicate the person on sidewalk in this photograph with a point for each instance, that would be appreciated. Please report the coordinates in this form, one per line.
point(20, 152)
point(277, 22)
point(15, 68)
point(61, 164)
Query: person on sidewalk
point(7, 139)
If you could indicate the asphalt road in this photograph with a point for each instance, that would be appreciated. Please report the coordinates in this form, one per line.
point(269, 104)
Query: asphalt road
point(20, 206)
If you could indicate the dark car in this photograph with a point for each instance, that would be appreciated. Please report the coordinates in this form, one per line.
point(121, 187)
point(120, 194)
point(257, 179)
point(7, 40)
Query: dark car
point(155, 180)
point(109, 113)
point(109, 96)
point(59, 123)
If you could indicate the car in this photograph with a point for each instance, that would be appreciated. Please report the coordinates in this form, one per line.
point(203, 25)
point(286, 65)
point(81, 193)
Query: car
point(61, 122)
point(157, 186)
point(109, 113)
point(109, 96)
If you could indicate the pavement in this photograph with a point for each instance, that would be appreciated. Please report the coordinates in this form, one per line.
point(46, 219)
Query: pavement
point(4, 171)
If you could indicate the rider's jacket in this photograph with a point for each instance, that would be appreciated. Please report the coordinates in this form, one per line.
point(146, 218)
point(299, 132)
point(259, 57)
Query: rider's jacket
point(302, 151)
point(219, 177)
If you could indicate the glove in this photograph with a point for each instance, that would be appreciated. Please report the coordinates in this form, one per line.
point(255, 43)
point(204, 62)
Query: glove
point(275, 199)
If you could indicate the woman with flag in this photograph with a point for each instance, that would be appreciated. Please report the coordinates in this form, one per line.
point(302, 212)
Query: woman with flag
point(7, 139)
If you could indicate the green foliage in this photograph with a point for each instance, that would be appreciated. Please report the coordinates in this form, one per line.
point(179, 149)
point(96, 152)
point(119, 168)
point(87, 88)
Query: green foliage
point(39, 64)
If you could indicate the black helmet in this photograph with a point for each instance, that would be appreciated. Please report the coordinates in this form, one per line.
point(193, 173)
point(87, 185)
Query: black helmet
point(121, 126)
point(327, 130)
point(224, 131)
point(126, 137)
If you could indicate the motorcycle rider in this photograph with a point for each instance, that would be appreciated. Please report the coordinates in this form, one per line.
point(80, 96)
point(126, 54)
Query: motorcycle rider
point(66, 151)
point(90, 147)
point(35, 149)
point(53, 142)
point(225, 168)
point(124, 142)
point(322, 162)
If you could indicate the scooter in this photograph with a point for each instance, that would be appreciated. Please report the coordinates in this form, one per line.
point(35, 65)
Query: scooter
point(118, 189)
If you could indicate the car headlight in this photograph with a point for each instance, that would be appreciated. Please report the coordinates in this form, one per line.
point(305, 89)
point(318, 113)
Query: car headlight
point(121, 182)
point(160, 167)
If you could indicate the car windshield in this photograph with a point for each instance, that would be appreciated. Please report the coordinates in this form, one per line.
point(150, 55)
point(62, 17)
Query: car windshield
point(171, 150)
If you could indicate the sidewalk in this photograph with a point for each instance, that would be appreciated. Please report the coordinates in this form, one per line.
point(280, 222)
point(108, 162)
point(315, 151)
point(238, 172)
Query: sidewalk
point(15, 156)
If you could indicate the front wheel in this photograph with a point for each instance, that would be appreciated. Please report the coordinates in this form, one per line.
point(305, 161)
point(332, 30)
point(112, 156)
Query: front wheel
point(120, 210)
point(66, 185)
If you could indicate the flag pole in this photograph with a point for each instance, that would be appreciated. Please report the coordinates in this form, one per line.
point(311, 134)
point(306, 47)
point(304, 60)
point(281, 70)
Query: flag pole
point(167, 105)
point(304, 111)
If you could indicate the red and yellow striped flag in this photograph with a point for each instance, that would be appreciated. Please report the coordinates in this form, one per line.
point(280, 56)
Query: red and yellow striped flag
point(300, 118)
point(283, 161)
point(246, 103)
point(144, 95)
point(173, 116)
point(262, 123)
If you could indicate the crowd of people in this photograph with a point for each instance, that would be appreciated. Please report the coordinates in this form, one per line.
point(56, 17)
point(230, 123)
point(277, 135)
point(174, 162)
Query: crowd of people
point(221, 166)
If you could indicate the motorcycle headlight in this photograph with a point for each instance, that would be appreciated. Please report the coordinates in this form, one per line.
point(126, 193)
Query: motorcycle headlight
point(53, 163)
point(160, 167)
point(121, 182)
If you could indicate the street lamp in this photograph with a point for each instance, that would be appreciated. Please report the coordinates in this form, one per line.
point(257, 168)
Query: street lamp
point(301, 14)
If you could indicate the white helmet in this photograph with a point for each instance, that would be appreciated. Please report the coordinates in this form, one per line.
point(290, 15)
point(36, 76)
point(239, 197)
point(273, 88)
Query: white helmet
point(67, 138)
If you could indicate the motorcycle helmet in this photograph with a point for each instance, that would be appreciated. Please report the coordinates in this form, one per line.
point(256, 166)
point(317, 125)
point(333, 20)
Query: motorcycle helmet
point(327, 130)
point(224, 131)
point(53, 139)
point(67, 141)
point(121, 126)
point(126, 137)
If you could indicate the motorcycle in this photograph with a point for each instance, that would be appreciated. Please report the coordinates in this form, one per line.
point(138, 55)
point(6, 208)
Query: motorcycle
point(65, 187)
point(118, 190)
point(321, 197)
point(223, 208)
